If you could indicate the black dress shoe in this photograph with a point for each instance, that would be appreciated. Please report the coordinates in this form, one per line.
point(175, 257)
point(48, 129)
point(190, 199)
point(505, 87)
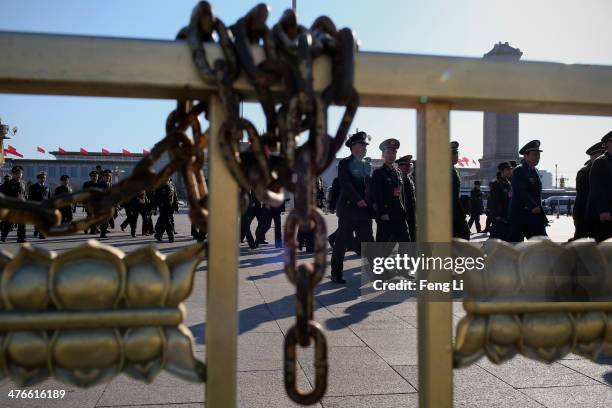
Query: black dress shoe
point(158, 238)
point(170, 239)
point(337, 279)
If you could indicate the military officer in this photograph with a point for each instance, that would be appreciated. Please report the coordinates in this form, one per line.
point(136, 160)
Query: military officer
point(15, 187)
point(104, 184)
point(64, 188)
point(499, 202)
point(405, 165)
point(93, 182)
point(460, 227)
point(353, 209)
point(476, 206)
point(388, 197)
point(581, 222)
point(164, 200)
point(526, 217)
point(39, 192)
point(599, 202)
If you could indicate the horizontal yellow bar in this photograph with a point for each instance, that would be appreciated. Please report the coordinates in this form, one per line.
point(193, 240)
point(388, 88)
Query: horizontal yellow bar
point(93, 66)
point(486, 308)
point(85, 319)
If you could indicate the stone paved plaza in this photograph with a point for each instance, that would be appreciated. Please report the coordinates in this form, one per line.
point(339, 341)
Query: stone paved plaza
point(372, 347)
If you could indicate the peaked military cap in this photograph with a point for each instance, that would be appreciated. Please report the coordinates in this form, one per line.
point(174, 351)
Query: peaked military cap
point(596, 148)
point(92, 173)
point(15, 169)
point(477, 183)
point(389, 144)
point(407, 159)
point(513, 163)
point(65, 177)
point(532, 146)
point(454, 146)
point(40, 174)
point(359, 137)
point(503, 165)
point(607, 137)
point(106, 171)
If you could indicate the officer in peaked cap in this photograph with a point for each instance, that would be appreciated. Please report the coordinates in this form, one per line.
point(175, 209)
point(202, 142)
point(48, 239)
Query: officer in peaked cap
point(39, 192)
point(354, 209)
point(581, 222)
point(15, 188)
point(93, 182)
point(64, 188)
point(359, 137)
point(599, 202)
point(527, 217)
point(405, 165)
point(460, 227)
point(388, 197)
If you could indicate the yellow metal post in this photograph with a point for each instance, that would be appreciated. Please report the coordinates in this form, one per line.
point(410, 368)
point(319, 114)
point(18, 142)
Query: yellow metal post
point(222, 294)
point(435, 226)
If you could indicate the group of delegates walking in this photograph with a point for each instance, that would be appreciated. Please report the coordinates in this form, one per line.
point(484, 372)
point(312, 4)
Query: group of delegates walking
point(514, 208)
point(145, 205)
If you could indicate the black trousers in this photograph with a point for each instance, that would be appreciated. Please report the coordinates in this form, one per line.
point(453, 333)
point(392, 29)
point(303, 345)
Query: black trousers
point(392, 231)
point(475, 218)
point(245, 228)
point(521, 231)
point(264, 221)
point(164, 224)
point(5, 228)
point(275, 216)
point(344, 236)
point(602, 230)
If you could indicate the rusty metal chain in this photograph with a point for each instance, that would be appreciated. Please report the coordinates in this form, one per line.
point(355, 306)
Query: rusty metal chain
point(273, 160)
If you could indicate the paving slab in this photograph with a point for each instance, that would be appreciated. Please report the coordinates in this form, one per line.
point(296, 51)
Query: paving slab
point(373, 401)
point(396, 347)
point(265, 389)
point(357, 371)
point(596, 396)
point(601, 372)
point(522, 372)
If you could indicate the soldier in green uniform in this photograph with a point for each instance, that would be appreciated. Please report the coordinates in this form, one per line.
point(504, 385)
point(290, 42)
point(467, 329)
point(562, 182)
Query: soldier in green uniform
point(388, 197)
point(581, 222)
point(93, 182)
point(599, 202)
point(499, 201)
point(527, 218)
point(15, 187)
point(353, 209)
point(39, 192)
point(65, 188)
point(460, 227)
point(405, 165)
point(164, 200)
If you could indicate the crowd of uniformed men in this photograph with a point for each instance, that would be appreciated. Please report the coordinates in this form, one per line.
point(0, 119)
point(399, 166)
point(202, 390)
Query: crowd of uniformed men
point(146, 204)
point(387, 195)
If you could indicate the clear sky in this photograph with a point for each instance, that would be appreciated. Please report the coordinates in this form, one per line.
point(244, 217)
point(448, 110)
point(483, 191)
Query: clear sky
point(564, 31)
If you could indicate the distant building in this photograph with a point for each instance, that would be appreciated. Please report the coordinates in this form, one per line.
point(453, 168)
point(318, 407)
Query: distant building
point(78, 165)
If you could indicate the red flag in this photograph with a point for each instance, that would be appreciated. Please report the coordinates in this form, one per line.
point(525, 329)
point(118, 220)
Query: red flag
point(13, 151)
point(60, 150)
point(145, 151)
point(40, 149)
point(104, 151)
point(125, 152)
point(83, 151)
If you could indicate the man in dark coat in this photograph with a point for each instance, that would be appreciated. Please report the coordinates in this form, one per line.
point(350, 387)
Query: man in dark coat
point(499, 202)
point(104, 184)
point(460, 227)
point(581, 221)
point(599, 203)
point(405, 165)
point(246, 219)
point(15, 187)
point(64, 188)
point(164, 200)
point(476, 206)
point(353, 210)
point(527, 218)
point(388, 197)
point(39, 192)
point(93, 182)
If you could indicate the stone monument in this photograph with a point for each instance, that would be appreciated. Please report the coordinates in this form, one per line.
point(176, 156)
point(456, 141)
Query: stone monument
point(500, 130)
